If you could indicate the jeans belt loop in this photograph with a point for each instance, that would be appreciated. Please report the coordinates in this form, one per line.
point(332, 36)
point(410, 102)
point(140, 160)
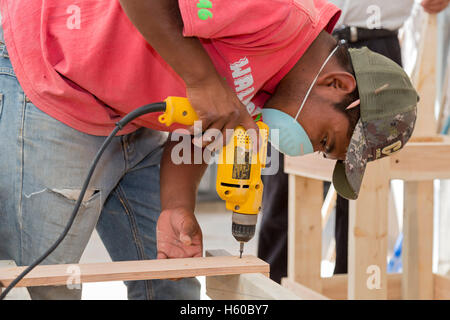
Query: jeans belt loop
point(353, 34)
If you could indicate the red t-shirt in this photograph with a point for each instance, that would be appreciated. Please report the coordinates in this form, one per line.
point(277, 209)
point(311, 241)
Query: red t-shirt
point(85, 64)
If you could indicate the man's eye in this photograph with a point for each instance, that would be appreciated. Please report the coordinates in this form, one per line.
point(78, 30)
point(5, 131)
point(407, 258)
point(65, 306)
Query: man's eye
point(324, 142)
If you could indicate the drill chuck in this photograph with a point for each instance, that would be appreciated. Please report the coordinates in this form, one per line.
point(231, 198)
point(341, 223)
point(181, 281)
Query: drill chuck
point(243, 226)
point(242, 233)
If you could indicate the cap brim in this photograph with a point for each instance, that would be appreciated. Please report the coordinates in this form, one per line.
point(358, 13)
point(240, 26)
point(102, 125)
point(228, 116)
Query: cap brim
point(348, 174)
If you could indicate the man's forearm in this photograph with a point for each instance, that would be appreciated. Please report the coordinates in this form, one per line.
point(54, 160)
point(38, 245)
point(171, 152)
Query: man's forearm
point(160, 22)
point(179, 183)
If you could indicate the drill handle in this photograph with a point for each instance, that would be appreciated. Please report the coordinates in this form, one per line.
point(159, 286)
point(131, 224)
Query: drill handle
point(178, 110)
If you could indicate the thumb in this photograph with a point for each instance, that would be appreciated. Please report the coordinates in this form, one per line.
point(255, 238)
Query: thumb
point(187, 231)
point(185, 239)
point(247, 122)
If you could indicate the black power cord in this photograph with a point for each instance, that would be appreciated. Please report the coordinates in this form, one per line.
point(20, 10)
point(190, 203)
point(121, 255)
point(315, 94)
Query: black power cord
point(154, 107)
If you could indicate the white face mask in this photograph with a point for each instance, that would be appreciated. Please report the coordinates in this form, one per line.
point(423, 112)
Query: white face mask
point(293, 140)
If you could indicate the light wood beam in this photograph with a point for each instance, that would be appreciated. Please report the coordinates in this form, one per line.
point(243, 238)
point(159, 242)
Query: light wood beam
point(425, 79)
point(441, 287)
point(254, 286)
point(335, 287)
point(305, 231)
point(367, 245)
point(312, 166)
point(134, 270)
point(15, 293)
point(300, 290)
point(419, 161)
point(417, 251)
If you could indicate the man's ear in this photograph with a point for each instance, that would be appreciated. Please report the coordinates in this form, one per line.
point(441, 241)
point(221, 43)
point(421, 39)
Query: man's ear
point(343, 82)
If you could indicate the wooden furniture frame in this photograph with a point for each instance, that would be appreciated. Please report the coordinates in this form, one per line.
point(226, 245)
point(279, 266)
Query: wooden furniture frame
point(425, 158)
point(368, 226)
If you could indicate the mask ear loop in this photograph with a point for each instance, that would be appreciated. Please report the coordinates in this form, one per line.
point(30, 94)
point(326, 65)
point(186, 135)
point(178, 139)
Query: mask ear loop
point(315, 79)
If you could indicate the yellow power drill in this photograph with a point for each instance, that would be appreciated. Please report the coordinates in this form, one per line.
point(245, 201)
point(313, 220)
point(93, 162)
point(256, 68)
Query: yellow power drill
point(238, 180)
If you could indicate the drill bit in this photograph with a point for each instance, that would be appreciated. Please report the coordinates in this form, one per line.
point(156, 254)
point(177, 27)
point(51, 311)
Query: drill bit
point(241, 250)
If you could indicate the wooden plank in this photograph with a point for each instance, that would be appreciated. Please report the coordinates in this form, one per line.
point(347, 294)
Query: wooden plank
point(335, 287)
point(445, 99)
point(15, 293)
point(420, 161)
point(367, 251)
point(417, 251)
point(136, 270)
point(436, 138)
point(301, 291)
point(425, 81)
point(254, 286)
point(441, 287)
point(417, 161)
point(394, 286)
point(444, 228)
point(305, 231)
point(313, 166)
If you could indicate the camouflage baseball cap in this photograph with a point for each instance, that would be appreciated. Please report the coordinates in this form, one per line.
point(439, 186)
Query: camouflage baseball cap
point(388, 109)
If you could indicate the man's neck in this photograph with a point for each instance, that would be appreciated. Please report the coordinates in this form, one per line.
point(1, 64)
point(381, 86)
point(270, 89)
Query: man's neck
point(295, 84)
point(315, 55)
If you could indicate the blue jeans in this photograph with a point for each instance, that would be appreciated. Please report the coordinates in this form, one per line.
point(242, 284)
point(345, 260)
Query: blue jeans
point(43, 164)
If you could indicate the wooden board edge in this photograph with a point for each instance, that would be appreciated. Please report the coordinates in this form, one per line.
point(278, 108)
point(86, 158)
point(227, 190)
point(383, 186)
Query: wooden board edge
point(335, 287)
point(302, 291)
point(441, 287)
point(45, 275)
point(252, 286)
